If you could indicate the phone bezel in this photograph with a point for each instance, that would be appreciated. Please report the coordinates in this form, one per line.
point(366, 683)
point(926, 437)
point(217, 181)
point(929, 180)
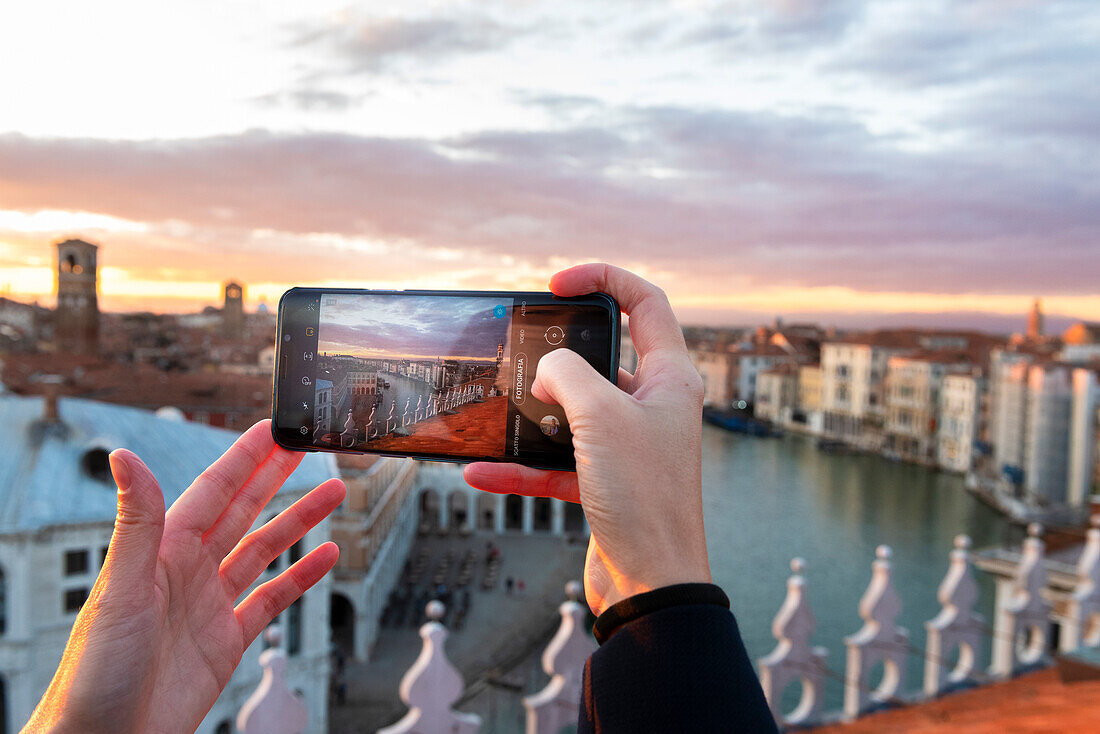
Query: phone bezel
point(287, 441)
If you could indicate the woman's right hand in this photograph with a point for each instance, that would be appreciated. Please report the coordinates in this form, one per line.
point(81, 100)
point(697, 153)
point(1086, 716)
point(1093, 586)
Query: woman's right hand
point(637, 447)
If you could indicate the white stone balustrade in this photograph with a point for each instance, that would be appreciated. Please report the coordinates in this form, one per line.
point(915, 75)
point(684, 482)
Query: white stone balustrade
point(1020, 632)
point(431, 686)
point(1082, 625)
point(956, 627)
point(558, 704)
point(793, 659)
point(273, 708)
point(880, 640)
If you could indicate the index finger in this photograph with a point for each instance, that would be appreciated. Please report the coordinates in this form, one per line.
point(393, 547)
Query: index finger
point(202, 503)
point(653, 326)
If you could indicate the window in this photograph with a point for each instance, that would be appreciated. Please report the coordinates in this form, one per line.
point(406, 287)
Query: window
point(3, 604)
point(102, 556)
point(76, 562)
point(294, 628)
point(74, 599)
point(96, 464)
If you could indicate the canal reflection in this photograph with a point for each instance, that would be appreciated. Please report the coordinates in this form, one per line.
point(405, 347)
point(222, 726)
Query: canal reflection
point(769, 500)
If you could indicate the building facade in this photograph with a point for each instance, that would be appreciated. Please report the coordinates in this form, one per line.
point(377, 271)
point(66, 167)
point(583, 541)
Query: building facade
point(810, 406)
point(777, 394)
point(960, 422)
point(913, 402)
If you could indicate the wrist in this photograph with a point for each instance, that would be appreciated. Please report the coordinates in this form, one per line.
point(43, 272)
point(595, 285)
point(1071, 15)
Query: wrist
point(640, 605)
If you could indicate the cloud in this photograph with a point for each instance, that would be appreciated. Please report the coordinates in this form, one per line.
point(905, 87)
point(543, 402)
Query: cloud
point(756, 198)
point(367, 44)
point(305, 98)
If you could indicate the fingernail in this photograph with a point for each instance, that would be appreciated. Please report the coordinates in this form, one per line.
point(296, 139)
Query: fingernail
point(120, 470)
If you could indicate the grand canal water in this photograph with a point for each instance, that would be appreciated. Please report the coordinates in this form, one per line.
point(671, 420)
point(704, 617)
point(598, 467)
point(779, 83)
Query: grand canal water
point(769, 500)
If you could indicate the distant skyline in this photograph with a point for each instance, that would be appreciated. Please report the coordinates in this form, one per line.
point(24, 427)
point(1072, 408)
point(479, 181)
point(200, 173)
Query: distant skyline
point(853, 162)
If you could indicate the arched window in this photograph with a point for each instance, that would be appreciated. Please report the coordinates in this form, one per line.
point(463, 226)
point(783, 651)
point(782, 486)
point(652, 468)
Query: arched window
point(96, 464)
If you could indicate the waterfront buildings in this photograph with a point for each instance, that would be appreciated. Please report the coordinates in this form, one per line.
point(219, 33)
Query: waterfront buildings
point(714, 368)
point(961, 422)
point(57, 510)
point(810, 404)
point(777, 393)
point(913, 401)
point(1045, 426)
point(853, 370)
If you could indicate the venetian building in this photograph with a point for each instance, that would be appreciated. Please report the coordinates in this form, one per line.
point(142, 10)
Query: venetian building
point(76, 321)
point(233, 311)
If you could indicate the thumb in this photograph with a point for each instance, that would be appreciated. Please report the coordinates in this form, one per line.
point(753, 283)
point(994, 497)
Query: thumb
point(139, 524)
point(565, 378)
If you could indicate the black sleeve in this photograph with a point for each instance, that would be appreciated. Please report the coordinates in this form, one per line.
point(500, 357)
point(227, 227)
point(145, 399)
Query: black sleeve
point(666, 665)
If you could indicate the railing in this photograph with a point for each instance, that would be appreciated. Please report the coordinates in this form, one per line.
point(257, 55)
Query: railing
point(1018, 638)
point(1018, 641)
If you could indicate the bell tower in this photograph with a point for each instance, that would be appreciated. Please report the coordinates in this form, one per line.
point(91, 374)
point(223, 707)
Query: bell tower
point(76, 320)
point(233, 311)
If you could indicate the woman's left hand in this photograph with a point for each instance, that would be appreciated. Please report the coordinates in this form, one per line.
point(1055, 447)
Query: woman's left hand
point(161, 631)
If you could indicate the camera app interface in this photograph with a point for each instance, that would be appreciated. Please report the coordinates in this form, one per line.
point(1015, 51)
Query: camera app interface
point(419, 374)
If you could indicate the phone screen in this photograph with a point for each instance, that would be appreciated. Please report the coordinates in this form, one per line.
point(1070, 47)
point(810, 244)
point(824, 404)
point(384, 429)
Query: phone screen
point(437, 375)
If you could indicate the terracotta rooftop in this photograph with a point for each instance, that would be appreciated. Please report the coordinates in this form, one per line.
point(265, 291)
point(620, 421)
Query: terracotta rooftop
point(783, 368)
point(141, 386)
point(759, 350)
point(1031, 703)
point(916, 338)
point(945, 356)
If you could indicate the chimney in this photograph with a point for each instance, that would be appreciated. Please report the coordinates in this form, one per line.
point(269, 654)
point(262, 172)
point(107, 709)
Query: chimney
point(51, 388)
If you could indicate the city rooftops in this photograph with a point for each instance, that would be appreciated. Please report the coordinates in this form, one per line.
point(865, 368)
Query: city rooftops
point(925, 339)
point(56, 473)
point(783, 368)
point(953, 357)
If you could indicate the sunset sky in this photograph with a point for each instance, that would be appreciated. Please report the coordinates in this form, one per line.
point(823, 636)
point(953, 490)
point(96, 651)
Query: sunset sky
point(849, 161)
point(402, 327)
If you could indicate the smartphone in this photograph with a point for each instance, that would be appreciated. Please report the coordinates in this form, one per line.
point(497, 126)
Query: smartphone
point(440, 375)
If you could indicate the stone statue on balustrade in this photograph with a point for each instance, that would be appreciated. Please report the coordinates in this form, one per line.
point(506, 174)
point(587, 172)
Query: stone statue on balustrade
point(880, 640)
point(557, 705)
point(432, 685)
point(272, 708)
point(793, 658)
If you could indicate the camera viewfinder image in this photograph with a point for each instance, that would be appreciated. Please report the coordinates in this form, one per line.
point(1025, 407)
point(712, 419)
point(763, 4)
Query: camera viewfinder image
point(422, 374)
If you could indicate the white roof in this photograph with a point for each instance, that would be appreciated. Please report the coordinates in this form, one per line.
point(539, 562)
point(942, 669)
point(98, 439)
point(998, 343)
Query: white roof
point(43, 482)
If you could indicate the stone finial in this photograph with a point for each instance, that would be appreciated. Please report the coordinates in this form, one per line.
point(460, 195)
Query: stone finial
point(435, 610)
point(557, 705)
point(1082, 625)
point(273, 708)
point(793, 658)
point(1022, 612)
point(880, 640)
point(432, 685)
point(955, 627)
point(347, 438)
